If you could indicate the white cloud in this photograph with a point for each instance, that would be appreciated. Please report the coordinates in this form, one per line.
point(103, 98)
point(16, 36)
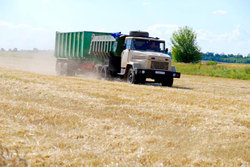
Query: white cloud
point(212, 37)
point(220, 12)
point(146, 3)
point(235, 41)
point(162, 29)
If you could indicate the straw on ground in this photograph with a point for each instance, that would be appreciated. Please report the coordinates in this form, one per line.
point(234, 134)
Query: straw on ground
point(63, 121)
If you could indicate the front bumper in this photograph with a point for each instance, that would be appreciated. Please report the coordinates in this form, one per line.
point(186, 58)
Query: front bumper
point(155, 74)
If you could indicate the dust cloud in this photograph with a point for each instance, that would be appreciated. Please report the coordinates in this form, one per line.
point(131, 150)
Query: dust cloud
point(42, 62)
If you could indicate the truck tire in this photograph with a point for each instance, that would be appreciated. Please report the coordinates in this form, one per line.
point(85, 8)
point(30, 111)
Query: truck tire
point(64, 68)
point(131, 77)
point(67, 69)
point(58, 68)
point(105, 73)
point(70, 71)
point(96, 70)
point(138, 34)
point(168, 82)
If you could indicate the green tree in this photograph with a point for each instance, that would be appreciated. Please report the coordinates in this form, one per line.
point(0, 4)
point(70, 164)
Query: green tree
point(185, 48)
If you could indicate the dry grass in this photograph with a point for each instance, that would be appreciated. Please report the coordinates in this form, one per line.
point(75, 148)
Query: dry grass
point(11, 158)
point(233, 65)
point(63, 121)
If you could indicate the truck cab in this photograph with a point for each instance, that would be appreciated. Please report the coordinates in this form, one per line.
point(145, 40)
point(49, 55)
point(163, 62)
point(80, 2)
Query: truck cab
point(146, 57)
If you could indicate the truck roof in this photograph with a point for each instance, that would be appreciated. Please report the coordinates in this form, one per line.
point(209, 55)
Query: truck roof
point(154, 39)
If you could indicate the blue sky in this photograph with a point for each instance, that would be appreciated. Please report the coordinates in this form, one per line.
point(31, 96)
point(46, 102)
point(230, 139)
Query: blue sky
point(222, 26)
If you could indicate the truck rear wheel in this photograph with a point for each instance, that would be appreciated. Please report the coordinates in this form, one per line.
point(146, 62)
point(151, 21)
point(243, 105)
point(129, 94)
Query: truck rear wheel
point(131, 77)
point(105, 74)
point(58, 68)
point(168, 82)
point(64, 68)
point(68, 69)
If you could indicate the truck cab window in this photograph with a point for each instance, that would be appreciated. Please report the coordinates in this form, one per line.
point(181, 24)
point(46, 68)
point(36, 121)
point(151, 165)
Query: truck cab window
point(128, 44)
point(139, 44)
point(148, 45)
point(162, 47)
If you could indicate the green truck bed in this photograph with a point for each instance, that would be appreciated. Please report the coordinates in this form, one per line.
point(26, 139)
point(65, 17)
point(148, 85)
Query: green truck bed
point(75, 45)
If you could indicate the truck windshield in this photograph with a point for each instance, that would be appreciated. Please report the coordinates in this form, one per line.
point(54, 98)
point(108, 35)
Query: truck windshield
point(148, 45)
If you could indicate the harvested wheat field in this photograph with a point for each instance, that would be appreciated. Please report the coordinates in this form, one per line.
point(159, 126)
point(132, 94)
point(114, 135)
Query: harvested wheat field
point(64, 121)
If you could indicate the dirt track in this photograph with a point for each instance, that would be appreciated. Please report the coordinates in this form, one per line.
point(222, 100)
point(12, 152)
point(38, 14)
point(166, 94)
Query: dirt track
point(73, 121)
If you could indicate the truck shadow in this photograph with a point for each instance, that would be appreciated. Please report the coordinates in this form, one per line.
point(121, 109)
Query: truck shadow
point(182, 87)
point(174, 87)
point(148, 83)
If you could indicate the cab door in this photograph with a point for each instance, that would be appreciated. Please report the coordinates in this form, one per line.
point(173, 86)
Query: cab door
point(126, 53)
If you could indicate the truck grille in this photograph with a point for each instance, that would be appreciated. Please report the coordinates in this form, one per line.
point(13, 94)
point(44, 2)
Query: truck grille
point(159, 65)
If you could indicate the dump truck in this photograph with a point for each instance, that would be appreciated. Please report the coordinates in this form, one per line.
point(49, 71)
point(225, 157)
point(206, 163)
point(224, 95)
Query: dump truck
point(134, 57)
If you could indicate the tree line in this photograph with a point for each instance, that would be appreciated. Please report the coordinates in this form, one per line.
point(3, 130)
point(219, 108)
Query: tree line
point(226, 58)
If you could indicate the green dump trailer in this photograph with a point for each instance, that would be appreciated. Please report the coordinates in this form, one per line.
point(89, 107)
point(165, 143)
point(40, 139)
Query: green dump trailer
point(72, 51)
point(74, 45)
point(134, 57)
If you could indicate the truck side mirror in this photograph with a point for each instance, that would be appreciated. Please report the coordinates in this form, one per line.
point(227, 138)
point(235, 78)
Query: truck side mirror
point(166, 51)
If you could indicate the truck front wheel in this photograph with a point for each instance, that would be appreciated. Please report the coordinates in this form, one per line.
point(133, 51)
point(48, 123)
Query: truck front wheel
point(131, 77)
point(168, 82)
